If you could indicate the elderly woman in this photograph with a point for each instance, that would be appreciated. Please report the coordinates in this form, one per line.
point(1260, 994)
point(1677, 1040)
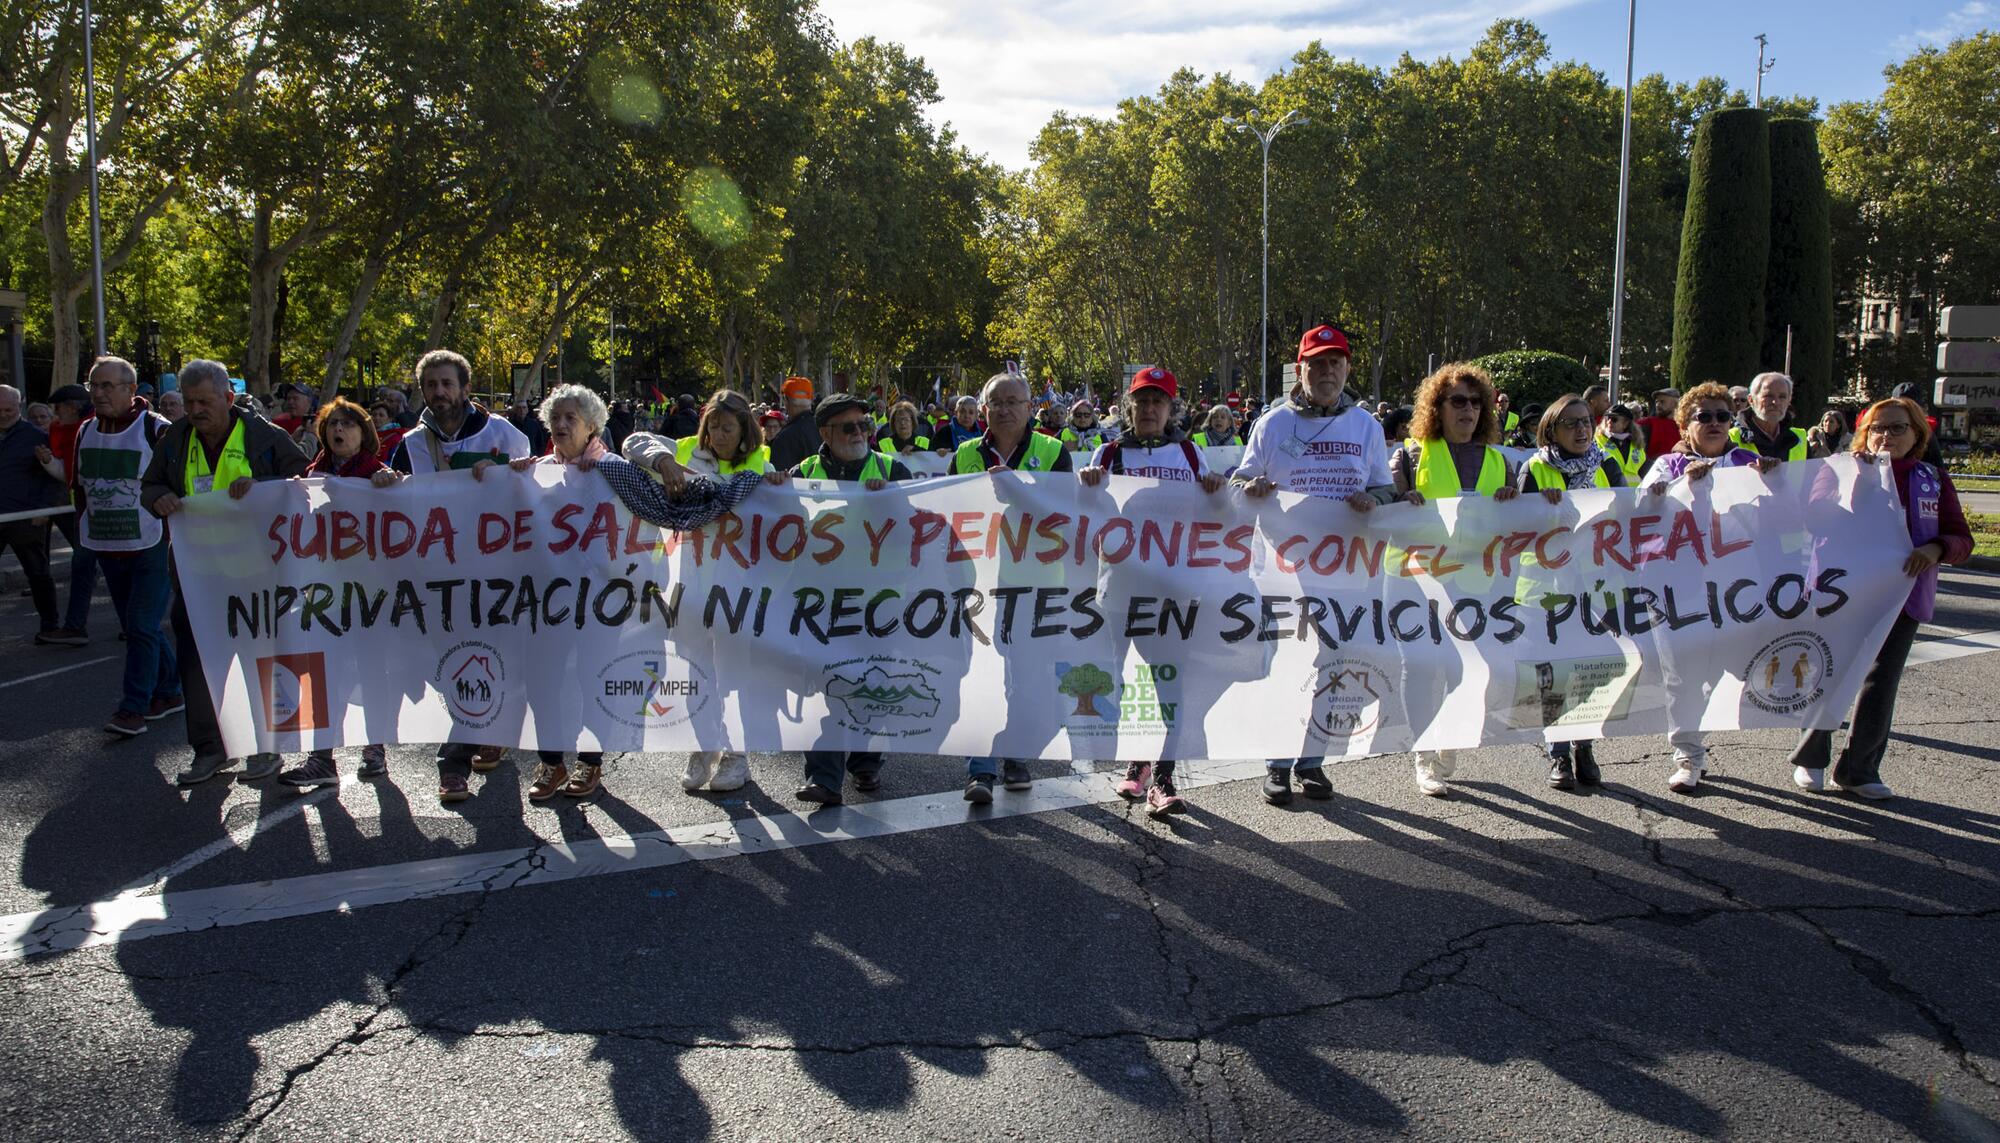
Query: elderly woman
point(41, 416)
point(1893, 432)
point(1830, 437)
point(349, 450)
point(1218, 429)
point(1450, 452)
point(575, 417)
point(1704, 416)
point(902, 435)
point(725, 443)
point(964, 425)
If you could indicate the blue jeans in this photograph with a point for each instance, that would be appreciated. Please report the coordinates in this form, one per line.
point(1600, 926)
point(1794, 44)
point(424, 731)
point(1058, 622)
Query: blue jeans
point(82, 576)
point(830, 768)
point(990, 767)
point(141, 589)
point(1288, 763)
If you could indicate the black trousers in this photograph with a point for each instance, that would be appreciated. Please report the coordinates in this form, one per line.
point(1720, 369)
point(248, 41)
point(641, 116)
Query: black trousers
point(203, 731)
point(1874, 712)
point(30, 542)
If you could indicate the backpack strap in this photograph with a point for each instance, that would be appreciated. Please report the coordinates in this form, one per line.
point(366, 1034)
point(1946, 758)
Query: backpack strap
point(1193, 458)
point(1114, 460)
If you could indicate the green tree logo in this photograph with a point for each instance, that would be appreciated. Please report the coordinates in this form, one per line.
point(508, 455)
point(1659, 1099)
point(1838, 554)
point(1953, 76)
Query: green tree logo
point(1086, 682)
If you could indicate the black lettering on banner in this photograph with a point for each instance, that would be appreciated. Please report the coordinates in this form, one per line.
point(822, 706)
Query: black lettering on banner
point(443, 588)
point(845, 618)
point(1461, 630)
point(1735, 609)
point(923, 627)
point(282, 598)
point(876, 628)
point(1676, 620)
point(1312, 616)
point(1395, 620)
point(1828, 577)
point(966, 604)
point(1047, 609)
point(629, 603)
point(1085, 604)
point(370, 612)
point(503, 594)
point(735, 607)
point(1140, 621)
point(550, 616)
point(1502, 611)
point(804, 614)
point(318, 597)
point(1179, 616)
point(1597, 622)
point(583, 585)
point(408, 603)
point(1559, 606)
point(241, 613)
point(1008, 597)
point(472, 586)
point(1350, 622)
point(1642, 610)
point(1797, 583)
point(652, 601)
point(1275, 612)
point(527, 601)
point(1233, 607)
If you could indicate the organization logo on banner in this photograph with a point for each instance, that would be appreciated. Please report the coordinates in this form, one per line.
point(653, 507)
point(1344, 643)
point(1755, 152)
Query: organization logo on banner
point(1349, 697)
point(648, 689)
point(1106, 705)
point(883, 695)
point(294, 691)
point(1789, 674)
point(472, 678)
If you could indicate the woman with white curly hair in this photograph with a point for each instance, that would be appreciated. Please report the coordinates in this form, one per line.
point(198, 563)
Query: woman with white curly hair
point(575, 417)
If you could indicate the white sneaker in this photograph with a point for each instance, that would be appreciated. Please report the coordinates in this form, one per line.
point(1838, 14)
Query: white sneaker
point(1429, 782)
point(733, 774)
point(1873, 791)
point(700, 765)
point(1685, 779)
point(1807, 778)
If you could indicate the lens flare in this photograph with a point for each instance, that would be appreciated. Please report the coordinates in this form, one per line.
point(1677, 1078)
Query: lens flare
point(624, 87)
point(714, 207)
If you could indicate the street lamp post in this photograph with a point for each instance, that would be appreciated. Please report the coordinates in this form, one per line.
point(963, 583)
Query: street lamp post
point(1624, 192)
point(1763, 68)
point(1264, 313)
point(90, 147)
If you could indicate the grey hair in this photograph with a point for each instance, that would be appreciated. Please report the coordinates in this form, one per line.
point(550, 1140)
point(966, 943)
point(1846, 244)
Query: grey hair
point(1758, 382)
point(963, 401)
point(10, 391)
point(999, 379)
point(202, 371)
point(589, 405)
point(1210, 418)
point(118, 365)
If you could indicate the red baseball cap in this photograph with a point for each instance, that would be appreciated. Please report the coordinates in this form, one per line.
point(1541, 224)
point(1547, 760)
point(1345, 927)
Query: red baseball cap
point(1154, 377)
point(1323, 339)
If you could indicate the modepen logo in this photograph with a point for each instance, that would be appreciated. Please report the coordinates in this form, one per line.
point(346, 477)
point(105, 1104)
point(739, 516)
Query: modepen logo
point(293, 688)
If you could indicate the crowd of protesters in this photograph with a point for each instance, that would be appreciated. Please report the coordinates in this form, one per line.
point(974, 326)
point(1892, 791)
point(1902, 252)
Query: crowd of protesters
point(126, 464)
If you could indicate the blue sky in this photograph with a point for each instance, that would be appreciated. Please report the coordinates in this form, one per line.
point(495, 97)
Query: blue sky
point(1005, 65)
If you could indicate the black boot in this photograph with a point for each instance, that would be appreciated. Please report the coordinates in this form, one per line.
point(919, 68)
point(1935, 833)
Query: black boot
point(1278, 785)
point(1562, 773)
point(1314, 783)
point(1586, 765)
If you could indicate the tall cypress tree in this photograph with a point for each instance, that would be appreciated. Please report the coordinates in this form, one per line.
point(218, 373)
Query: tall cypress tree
point(1725, 246)
point(1798, 281)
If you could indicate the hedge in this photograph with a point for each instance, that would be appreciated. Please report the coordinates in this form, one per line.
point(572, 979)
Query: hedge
point(1725, 249)
point(1535, 376)
point(1798, 281)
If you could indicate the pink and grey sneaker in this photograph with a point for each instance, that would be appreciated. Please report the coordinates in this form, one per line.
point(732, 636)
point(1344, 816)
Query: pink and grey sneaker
point(1161, 800)
point(1133, 787)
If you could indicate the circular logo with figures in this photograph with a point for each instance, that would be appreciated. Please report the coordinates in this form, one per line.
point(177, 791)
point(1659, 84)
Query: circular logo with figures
point(648, 689)
point(1349, 697)
point(1789, 674)
point(472, 678)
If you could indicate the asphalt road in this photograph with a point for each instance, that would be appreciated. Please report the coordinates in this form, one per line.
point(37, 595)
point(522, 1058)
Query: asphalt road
point(237, 961)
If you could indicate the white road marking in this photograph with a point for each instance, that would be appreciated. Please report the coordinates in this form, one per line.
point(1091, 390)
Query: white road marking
point(238, 838)
point(58, 671)
point(1955, 647)
point(135, 915)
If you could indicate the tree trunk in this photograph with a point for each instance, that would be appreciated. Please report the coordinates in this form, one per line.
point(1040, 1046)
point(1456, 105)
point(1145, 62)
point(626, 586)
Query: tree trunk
point(1381, 350)
point(446, 306)
point(265, 268)
point(357, 305)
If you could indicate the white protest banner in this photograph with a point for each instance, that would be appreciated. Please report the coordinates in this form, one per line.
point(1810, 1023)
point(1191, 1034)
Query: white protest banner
point(925, 465)
point(1030, 616)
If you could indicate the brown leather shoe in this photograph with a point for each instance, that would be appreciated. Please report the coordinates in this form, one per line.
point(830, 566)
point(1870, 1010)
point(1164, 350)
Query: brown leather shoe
point(488, 758)
point(549, 778)
point(583, 783)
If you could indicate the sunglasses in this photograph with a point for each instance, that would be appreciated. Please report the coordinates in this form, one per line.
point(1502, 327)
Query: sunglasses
point(1462, 401)
point(1712, 417)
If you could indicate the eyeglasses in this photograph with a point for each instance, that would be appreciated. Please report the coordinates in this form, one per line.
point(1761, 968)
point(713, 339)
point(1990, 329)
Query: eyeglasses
point(1893, 429)
point(1712, 416)
point(852, 428)
point(1571, 424)
point(1463, 401)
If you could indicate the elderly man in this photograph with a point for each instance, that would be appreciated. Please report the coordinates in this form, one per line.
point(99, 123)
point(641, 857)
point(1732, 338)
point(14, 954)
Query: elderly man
point(799, 438)
point(1008, 445)
point(26, 486)
point(399, 408)
point(1317, 442)
point(846, 452)
point(1764, 426)
point(171, 406)
point(1510, 421)
point(455, 433)
point(112, 449)
point(1739, 398)
point(218, 447)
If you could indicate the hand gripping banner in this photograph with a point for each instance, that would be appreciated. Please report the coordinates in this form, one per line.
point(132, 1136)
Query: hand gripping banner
point(1031, 616)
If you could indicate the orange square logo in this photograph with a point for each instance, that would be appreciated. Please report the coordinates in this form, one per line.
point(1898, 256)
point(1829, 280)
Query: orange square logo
point(294, 690)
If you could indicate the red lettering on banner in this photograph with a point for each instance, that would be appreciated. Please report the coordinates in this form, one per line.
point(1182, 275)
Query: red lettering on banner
point(1050, 529)
point(277, 538)
point(348, 540)
point(1238, 541)
point(964, 537)
point(924, 527)
point(561, 520)
point(727, 533)
point(1682, 533)
point(1287, 564)
point(1016, 539)
point(1542, 556)
point(603, 526)
point(1642, 538)
point(875, 539)
point(826, 529)
point(395, 545)
point(1719, 547)
point(524, 528)
point(438, 530)
point(1200, 541)
point(1604, 537)
point(1412, 563)
point(494, 533)
point(785, 549)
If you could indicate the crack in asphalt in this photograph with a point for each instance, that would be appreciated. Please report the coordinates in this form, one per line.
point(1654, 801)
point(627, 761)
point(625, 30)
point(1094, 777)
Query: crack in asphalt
point(448, 937)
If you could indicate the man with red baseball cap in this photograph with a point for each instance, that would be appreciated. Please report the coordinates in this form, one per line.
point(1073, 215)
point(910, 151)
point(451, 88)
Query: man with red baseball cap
point(799, 438)
point(1316, 442)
